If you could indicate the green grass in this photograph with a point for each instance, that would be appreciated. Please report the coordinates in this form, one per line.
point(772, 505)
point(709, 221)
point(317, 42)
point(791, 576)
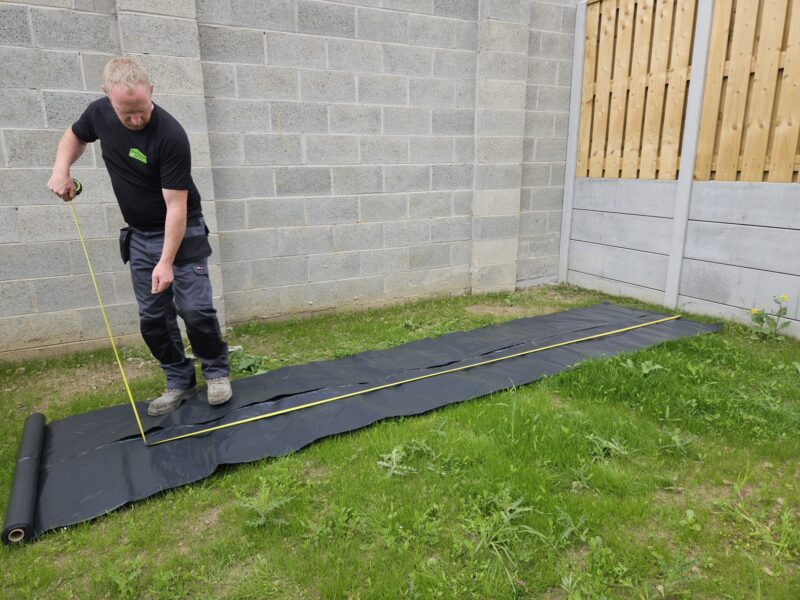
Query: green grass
point(668, 473)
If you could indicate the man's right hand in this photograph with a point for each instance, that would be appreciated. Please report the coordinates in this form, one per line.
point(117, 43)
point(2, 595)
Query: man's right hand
point(62, 186)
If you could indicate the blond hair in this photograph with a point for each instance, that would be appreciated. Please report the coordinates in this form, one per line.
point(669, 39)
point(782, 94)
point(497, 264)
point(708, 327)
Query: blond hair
point(122, 70)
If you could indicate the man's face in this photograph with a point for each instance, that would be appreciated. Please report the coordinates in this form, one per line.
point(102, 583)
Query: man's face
point(133, 107)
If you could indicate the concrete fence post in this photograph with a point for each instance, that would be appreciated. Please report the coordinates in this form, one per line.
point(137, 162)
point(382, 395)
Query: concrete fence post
point(572, 139)
point(683, 192)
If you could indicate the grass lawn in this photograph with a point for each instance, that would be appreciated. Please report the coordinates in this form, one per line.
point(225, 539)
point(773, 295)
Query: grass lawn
point(668, 473)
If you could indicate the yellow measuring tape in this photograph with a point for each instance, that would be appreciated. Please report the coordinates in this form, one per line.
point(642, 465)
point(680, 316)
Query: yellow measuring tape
point(397, 383)
point(325, 400)
point(108, 326)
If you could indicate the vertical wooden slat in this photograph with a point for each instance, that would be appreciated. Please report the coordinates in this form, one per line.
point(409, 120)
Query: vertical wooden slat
point(654, 109)
point(713, 88)
point(787, 126)
point(605, 57)
point(676, 93)
point(587, 93)
point(730, 135)
point(766, 80)
point(638, 88)
point(622, 59)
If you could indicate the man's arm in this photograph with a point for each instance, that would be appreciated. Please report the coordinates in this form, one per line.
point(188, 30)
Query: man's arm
point(69, 150)
point(174, 228)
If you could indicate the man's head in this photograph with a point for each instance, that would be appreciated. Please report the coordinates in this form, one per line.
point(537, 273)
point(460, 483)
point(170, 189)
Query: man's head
point(127, 85)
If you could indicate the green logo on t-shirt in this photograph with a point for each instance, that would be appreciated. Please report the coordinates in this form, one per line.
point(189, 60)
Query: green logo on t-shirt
point(138, 155)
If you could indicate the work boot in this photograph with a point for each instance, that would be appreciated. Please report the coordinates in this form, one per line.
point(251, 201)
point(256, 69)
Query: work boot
point(168, 401)
point(219, 391)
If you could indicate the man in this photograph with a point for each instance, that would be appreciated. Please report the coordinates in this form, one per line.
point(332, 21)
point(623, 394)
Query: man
point(146, 152)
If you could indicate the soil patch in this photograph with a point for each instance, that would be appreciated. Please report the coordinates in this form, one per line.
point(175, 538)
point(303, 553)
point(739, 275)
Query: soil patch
point(60, 388)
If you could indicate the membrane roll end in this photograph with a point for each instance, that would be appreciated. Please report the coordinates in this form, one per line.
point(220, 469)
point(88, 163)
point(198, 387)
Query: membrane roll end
point(19, 524)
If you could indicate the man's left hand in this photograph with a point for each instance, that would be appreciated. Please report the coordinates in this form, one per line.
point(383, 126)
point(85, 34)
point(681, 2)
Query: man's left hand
point(162, 277)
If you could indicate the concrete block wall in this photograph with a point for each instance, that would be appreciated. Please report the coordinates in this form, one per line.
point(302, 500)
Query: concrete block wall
point(51, 59)
point(552, 31)
point(500, 94)
point(164, 37)
point(349, 152)
point(46, 63)
point(342, 143)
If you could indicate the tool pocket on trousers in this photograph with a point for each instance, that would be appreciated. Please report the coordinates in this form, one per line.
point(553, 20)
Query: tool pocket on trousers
point(194, 246)
point(125, 244)
point(199, 286)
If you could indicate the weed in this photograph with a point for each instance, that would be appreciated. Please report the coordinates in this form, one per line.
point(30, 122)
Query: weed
point(414, 448)
point(126, 581)
point(494, 523)
point(767, 326)
point(690, 522)
point(600, 575)
point(673, 580)
point(677, 443)
point(781, 536)
point(582, 477)
point(265, 507)
point(645, 367)
point(451, 464)
point(246, 364)
point(428, 525)
point(392, 463)
point(605, 448)
point(168, 583)
point(564, 530)
point(343, 521)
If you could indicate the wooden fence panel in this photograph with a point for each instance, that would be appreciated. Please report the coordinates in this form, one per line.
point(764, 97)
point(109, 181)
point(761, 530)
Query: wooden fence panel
point(750, 122)
point(636, 73)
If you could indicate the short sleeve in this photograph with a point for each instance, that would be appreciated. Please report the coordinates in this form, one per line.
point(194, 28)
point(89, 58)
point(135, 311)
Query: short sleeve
point(84, 128)
point(176, 162)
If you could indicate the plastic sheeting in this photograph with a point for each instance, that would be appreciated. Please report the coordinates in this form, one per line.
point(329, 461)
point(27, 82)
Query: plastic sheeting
point(86, 465)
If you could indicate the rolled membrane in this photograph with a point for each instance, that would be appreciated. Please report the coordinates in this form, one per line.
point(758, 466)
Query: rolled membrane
point(19, 523)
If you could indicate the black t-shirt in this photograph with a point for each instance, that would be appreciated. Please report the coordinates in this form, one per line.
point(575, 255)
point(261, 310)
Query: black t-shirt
point(141, 163)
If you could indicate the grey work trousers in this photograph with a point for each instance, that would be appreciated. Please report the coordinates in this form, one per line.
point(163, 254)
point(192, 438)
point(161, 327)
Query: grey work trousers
point(189, 297)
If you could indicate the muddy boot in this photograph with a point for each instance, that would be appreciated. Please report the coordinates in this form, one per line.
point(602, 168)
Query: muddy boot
point(219, 391)
point(168, 401)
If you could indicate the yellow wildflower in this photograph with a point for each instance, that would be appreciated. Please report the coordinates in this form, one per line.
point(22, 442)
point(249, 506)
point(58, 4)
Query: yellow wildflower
point(783, 298)
point(754, 311)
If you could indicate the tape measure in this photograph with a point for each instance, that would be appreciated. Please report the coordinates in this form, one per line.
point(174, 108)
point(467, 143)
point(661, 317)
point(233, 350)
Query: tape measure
point(78, 190)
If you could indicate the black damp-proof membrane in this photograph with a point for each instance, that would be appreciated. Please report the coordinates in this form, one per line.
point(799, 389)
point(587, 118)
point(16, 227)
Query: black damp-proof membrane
point(86, 465)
